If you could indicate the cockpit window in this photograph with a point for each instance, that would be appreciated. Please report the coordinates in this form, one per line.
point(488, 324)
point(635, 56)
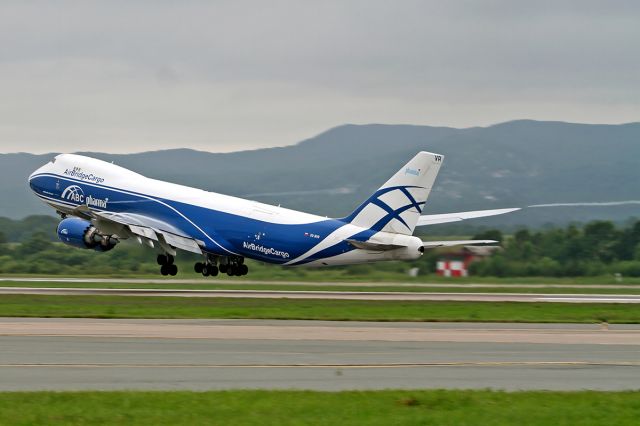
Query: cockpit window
point(53, 161)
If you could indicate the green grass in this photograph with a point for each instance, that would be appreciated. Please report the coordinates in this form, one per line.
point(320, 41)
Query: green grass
point(346, 310)
point(389, 407)
point(405, 287)
point(259, 272)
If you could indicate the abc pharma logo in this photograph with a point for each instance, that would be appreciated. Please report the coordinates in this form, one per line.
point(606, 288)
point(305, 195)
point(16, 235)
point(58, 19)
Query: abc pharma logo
point(73, 193)
point(76, 194)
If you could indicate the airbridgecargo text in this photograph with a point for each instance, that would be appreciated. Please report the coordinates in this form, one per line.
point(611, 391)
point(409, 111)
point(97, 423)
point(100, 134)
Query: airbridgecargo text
point(77, 173)
point(265, 250)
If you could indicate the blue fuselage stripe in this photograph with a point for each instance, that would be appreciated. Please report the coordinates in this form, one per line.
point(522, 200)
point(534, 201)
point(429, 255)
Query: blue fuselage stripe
point(221, 232)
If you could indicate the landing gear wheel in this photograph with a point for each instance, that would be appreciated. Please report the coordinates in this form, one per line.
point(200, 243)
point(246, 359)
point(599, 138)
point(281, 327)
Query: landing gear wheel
point(243, 269)
point(213, 270)
point(173, 270)
point(170, 259)
point(231, 271)
point(164, 270)
point(198, 267)
point(205, 270)
point(224, 268)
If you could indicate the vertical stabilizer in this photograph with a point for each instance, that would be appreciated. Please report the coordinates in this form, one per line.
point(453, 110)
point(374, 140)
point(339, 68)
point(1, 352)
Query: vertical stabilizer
point(397, 205)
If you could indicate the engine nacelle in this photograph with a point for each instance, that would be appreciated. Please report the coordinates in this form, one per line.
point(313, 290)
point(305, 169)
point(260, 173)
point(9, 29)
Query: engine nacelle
point(81, 233)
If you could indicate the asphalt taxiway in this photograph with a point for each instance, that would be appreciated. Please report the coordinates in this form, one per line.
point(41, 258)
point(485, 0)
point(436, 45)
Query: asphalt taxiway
point(68, 354)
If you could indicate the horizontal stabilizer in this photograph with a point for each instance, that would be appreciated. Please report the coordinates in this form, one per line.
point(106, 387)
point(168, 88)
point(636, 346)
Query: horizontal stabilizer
point(434, 219)
point(434, 244)
point(369, 245)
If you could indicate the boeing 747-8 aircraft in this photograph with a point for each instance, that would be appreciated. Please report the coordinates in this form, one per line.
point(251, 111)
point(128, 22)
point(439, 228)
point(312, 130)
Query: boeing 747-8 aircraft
point(101, 203)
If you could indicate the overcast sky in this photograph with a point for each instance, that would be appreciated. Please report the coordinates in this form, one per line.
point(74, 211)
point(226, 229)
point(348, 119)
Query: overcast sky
point(122, 76)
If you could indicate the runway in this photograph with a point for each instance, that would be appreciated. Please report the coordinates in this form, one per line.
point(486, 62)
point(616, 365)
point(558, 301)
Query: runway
point(209, 280)
point(337, 295)
point(73, 354)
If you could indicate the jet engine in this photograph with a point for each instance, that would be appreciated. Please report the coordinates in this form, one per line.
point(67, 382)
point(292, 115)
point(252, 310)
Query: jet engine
point(81, 233)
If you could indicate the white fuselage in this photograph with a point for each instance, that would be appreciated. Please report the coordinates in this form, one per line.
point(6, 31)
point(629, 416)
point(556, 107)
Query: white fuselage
point(222, 225)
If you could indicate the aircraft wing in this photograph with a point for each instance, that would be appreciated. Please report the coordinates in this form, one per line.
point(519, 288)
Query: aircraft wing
point(433, 219)
point(434, 244)
point(145, 229)
point(378, 246)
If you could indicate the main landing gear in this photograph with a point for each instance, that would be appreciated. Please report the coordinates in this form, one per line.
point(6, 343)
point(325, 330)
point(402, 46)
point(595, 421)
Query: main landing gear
point(211, 267)
point(167, 267)
point(206, 269)
point(232, 266)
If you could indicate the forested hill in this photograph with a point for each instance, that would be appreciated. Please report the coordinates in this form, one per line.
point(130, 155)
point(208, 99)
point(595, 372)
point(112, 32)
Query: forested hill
point(513, 164)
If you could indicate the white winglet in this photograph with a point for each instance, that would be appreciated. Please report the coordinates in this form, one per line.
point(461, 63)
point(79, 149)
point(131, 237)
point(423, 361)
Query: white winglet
point(433, 219)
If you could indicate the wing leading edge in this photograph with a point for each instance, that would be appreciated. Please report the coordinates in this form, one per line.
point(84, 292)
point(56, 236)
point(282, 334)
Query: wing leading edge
point(434, 219)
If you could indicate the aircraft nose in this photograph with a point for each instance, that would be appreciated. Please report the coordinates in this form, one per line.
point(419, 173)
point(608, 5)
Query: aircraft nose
point(36, 172)
point(30, 180)
point(32, 175)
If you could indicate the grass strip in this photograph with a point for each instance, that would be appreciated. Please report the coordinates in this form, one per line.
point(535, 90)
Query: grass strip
point(312, 309)
point(249, 407)
point(332, 275)
point(320, 287)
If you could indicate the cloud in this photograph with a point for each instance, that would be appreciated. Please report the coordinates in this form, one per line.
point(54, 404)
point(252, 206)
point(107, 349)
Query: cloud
point(227, 75)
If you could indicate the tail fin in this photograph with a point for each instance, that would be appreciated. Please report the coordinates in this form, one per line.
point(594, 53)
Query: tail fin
point(397, 205)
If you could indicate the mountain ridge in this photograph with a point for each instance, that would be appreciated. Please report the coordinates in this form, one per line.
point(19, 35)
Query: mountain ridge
point(503, 123)
point(515, 163)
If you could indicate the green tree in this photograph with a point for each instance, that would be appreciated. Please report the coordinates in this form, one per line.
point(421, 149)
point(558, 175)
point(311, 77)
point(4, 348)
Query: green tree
point(491, 234)
point(626, 247)
point(3, 243)
point(36, 243)
point(574, 245)
point(601, 239)
point(521, 246)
